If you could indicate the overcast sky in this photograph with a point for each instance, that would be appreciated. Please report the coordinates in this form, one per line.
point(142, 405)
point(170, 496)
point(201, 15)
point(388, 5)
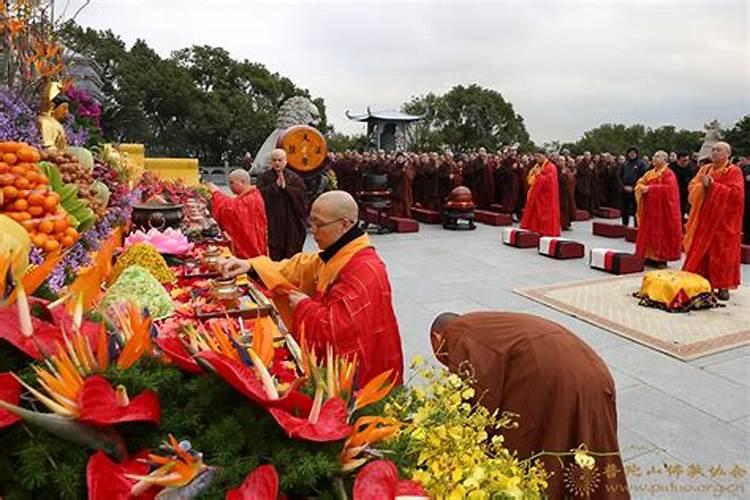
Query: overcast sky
point(566, 66)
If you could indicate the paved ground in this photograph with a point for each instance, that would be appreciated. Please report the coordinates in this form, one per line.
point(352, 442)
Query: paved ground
point(682, 415)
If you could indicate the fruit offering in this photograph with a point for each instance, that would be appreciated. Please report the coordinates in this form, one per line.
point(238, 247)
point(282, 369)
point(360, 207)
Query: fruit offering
point(73, 171)
point(27, 198)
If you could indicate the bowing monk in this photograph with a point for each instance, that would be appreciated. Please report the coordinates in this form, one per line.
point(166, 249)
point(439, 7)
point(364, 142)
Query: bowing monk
point(714, 228)
point(284, 195)
point(242, 217)
point(560, 389)
point(658, 214)
point(339, 296)
point(542, 211)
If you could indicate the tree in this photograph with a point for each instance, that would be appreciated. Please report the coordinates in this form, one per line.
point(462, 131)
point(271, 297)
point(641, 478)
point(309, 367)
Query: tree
point(618, 138)
point(466, 118)
point(739, 137)
point(199, 102)
point(338, 142)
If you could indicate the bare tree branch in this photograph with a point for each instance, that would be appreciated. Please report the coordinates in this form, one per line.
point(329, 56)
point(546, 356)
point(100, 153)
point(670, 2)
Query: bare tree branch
point(85, 4)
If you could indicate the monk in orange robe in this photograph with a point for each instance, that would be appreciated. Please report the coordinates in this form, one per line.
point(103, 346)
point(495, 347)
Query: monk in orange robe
point(659, 217)
point(242, 217)
point(560, 389)
point(340, 296)
point(714, 228)
point(542, 211)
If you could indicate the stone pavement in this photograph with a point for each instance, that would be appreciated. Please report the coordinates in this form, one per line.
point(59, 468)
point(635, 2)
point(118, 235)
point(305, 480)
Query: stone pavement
point(676, 419)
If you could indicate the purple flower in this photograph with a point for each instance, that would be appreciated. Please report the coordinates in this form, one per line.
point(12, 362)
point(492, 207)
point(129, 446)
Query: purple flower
point(36, 256)
point(17, 118)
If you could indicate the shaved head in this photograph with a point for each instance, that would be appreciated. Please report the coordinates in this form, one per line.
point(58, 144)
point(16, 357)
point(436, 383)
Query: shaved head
point(443, 320)
point(720, 152)
point(278, 159)
point(437, 335)
point(240, 175)
point(239, 181)
point(337, 204)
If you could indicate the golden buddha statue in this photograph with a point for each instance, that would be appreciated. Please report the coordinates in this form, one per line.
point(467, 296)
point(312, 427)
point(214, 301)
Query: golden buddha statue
point(53, 110)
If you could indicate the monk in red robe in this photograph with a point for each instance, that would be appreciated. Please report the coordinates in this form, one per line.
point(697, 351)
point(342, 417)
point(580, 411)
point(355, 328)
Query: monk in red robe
point(659, 218)
point(714, 228)
point(561, 391)
point(542, 211)
point(340, 296)
point(242, 217)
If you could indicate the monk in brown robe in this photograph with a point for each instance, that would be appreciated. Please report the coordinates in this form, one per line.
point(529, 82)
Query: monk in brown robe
point(446, 174)
point(284, 196)
point(400, 175)
point(560, 389)
point(584, 184)
point(567, 186)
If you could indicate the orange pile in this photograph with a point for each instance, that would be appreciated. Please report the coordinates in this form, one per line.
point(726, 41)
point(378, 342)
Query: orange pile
point(27, 198)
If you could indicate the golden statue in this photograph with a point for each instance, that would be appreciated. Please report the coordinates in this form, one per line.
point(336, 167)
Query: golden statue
point(52, 112)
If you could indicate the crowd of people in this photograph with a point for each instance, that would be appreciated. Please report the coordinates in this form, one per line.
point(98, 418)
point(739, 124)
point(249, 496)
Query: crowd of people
point(586, 182)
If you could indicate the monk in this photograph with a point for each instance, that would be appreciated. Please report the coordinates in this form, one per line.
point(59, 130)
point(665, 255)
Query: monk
point(658, 214)
point(567, 187)
point(560, 389)
point(542, 211)
point(714, 228)
point(400, 176)
point(584, 184)
point(243, 217)
point(339, 296)
point(284, 195)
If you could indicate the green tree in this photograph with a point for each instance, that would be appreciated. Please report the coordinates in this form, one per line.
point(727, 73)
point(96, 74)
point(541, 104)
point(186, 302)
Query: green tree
point(739, 136)
point(467, 117)
point(617, 138)
point(338, 142)
point(199, 102)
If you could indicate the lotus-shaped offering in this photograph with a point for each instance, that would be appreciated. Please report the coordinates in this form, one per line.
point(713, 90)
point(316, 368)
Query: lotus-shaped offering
point(170, 241)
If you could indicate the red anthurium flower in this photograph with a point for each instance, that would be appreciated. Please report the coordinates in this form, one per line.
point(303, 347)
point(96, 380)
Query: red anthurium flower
point(45, 334)
point(282, 368)
point(245, 381)
point(10, 391)
point(260, 484)
point(175, 351)
point(330, 425)
point(101, 404)
point(379, 480)
point(106, 479)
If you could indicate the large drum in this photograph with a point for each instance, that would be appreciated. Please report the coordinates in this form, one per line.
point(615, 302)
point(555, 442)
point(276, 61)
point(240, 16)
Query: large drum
point(305, 148)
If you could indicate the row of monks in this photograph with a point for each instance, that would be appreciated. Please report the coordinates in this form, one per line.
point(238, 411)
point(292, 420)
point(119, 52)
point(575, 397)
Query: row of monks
point(544, 192)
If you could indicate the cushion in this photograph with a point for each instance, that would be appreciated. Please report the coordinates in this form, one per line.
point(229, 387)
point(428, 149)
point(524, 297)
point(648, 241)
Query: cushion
point(493, 218)
point(582, 215)
point(607, 213)
point(404, 225)
point(615, 261)
point(426, 216)
point(608, 230)
point(519, 238)
point(560, 248)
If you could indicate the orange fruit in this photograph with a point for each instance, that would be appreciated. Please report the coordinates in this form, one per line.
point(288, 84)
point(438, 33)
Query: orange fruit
point(10, 192)
point(51, 245)
point(20, 204)
point(28, 154)
point(10, 158)
point(67, 241)
point(17, 170)
point(42, 179)
point(4, 167)
point(39, 239)
point(24, 215)
point(32, 176)
point(22, 183)
point(16, 216)
point(36, 211)
point(46, 227)
point(71, 231)
point(61, 225)
point(9, 146)
point(7, 179)
point(35, 199)
point(51, 201)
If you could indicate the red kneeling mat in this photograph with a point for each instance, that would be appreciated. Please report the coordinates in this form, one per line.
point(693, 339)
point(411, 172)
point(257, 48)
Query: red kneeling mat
point(582, 215)
point(745, 254)
point(614, 261)
point(519, 238)
point(560, 248)
point(607, 213)
point(608, 230)
point(493, 218)
point(631, 234)
point(404, 225)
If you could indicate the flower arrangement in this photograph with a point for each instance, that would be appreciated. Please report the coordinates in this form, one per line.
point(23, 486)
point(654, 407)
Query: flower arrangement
point(17, 119)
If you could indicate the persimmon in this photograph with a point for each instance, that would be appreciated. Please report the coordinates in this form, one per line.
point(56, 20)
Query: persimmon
point(17, 170)
point(10, 158)
point(9, 146)
point(35, 199)
point(28, 154)
point(7, 179)
point(39, 239)
point(4, 167)
point(36, 211)
point(51, 201)
point(42, 179)
point(20, 204)
point(32, 177)
point(67, 241)
point(10, 192)
point(46, 227)
point(51, 245)
point(22, 183)
point(61, 225)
